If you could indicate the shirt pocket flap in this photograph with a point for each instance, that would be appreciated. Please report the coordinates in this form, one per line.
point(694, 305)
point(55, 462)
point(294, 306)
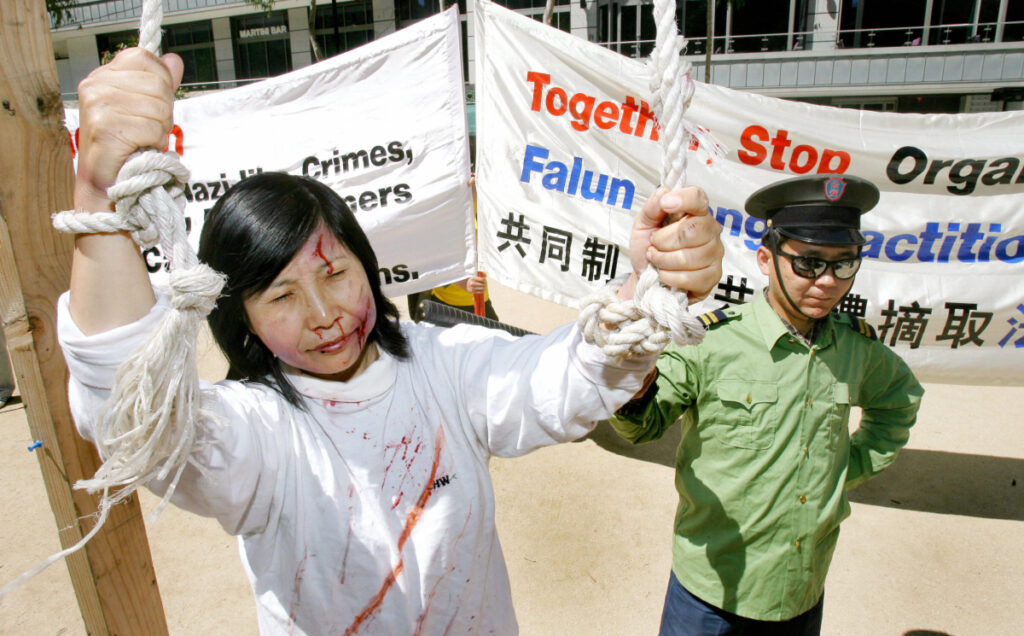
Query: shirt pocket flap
point(746, 393)
point(841, 393)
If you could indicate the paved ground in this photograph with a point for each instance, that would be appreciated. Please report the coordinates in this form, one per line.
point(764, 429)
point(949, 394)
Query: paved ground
point(934, 546)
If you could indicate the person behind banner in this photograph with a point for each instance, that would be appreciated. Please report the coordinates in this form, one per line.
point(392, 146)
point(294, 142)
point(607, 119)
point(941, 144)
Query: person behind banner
point(462, 295)
point(349, 452)
point(469, 294)
point(766, 455)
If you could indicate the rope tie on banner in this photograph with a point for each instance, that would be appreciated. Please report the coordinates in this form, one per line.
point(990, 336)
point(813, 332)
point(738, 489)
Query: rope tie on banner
point(148, 426)
point(657, 313)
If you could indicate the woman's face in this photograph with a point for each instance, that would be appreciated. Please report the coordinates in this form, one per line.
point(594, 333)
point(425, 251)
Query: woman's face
point(318, 312)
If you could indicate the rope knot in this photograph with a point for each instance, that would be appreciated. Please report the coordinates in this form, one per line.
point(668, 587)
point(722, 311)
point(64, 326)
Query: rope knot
point(641, 326)
point(196, 288)
point(148, 183)
point(655, 311)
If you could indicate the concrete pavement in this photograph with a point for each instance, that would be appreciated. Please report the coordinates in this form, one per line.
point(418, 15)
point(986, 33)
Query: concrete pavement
point(934, 546)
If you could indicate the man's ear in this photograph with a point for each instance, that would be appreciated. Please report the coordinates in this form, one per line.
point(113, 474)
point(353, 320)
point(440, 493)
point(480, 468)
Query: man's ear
point(764, 261)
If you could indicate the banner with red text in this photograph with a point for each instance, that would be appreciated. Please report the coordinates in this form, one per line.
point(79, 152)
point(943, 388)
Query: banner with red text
point(568, 150)
point(384, 125)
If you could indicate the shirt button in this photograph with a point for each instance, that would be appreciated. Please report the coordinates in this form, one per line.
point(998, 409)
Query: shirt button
point(803, 499)
point(748, 398)
point(810, 401)
point(798, 543)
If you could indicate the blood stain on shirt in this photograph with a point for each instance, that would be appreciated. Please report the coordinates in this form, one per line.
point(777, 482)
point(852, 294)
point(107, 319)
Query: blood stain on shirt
point(448, 571)
point(373, 605)
point(401, 446)
point(297, 584)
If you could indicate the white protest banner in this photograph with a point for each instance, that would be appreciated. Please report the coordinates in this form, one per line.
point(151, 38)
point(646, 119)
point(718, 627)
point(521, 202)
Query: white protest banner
point(384, 125)
point(568, 151)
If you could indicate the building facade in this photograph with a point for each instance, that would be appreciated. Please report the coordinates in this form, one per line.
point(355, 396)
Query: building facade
point(939, 56)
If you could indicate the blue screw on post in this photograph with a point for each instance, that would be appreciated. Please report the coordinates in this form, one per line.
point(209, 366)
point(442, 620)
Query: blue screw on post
point(34, 446)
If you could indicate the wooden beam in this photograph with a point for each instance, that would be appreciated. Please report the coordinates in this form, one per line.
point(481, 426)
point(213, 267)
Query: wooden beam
point(113, 575)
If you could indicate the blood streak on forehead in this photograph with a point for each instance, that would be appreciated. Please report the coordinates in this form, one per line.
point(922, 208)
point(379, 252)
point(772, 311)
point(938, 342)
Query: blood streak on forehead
point(319, 251)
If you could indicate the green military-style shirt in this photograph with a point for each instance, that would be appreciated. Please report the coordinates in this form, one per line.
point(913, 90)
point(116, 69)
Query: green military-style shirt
point(766, 455)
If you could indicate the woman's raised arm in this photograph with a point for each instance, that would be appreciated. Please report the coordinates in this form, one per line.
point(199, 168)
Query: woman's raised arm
point(125, 106)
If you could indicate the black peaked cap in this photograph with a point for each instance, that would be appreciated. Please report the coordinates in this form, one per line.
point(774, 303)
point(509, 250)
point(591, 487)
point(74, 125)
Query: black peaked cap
point(822, 209)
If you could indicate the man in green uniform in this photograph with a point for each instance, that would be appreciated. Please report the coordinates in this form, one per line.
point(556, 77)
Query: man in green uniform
point(766, 455)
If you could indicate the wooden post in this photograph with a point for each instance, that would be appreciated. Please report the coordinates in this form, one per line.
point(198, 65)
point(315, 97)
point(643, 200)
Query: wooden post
point(113, 575)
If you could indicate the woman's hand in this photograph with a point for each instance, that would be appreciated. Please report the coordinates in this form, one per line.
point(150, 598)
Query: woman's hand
point(675, 232)
point(125, 105)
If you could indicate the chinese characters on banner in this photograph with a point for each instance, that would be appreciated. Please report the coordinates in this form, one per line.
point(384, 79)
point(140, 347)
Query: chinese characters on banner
point(567, 151)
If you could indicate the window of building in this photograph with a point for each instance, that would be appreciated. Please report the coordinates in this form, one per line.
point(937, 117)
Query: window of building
point(262, 47)
point(903, 23)
point(193, 41)
point(464, 29)
point(535, 9)
point(559, 19)
point(1013, 30)
point(409, 11)
point(342, 26)
point(108, 44)
point(627, 27)
point(880, 104)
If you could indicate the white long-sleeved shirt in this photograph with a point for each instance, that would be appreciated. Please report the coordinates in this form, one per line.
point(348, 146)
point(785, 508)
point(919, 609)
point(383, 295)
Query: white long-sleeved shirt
point(373, 511)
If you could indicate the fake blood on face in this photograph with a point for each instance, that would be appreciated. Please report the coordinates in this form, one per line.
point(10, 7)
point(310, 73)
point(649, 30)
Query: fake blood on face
point(319, 312)
point(319, 251)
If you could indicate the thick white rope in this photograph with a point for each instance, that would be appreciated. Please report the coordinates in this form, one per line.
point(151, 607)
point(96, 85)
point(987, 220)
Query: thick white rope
point(642, 326)
point(148, 426)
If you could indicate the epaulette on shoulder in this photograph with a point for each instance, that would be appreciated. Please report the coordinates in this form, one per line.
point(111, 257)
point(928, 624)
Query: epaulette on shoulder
point(861, 326)
point(712, 318)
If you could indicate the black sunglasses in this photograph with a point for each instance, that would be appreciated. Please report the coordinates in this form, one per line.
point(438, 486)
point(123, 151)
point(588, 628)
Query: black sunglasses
point(813, 267)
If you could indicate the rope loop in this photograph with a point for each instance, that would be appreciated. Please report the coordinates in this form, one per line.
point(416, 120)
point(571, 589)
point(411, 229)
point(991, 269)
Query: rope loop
point(641, 326)
point(72, 222)
point(150, 193)
point(149, 426)
point(196, 288)
point(146, 170)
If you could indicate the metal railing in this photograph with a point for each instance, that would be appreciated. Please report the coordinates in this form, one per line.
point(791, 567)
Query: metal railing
point(938, 35)
point(89, 12)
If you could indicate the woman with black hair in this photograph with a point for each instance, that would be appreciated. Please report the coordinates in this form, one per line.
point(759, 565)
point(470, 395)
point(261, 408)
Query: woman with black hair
point(350, 451)
point(251, 236)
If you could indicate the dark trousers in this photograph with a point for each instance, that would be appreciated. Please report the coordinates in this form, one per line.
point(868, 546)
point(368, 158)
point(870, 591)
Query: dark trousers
point(687, 615)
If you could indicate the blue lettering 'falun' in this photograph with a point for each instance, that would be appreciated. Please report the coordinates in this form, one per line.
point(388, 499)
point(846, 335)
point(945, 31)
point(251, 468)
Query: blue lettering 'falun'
point(575, 181)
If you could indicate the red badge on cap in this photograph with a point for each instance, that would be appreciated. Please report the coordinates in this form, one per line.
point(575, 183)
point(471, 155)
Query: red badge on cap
point(834, 188)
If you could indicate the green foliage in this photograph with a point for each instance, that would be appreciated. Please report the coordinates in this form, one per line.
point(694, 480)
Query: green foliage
point(60, 10)
point(109, 55)
point(266, 5)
